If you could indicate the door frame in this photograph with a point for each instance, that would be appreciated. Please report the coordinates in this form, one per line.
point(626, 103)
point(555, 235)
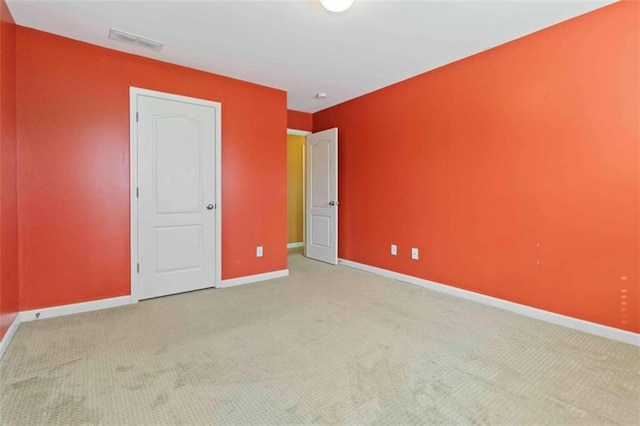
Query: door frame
point(296, 132)
point(134, 92)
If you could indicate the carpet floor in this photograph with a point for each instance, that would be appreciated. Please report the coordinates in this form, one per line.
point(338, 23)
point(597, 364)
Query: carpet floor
point(328, 345)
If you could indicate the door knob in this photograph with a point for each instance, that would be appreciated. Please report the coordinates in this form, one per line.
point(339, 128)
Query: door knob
point(333, 203)
point(210, 207)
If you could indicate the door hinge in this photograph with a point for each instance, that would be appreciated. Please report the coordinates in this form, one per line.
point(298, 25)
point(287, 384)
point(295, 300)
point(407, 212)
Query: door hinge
point(137, 192)
point(137, 119)
point(138, 267)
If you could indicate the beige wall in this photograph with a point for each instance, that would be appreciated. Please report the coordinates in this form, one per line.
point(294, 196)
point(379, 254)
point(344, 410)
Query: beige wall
point(295, 182)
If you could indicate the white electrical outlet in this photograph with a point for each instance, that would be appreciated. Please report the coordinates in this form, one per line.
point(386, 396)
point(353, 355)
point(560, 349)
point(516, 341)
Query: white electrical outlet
point(394, 250)
point(414, 253)
point(259, 251)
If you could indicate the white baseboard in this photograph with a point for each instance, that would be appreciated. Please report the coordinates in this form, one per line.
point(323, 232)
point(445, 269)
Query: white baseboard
point(540, 314)
point(75, 308)
point(253, 278)
point(294, 245)
point(11, 331)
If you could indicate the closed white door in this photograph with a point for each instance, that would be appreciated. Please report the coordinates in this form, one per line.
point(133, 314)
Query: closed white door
point(321, 241)
point(176, 196)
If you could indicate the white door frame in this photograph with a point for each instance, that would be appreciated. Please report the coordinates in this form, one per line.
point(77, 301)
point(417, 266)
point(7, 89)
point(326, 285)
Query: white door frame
point(296, 132)
point(134, 92)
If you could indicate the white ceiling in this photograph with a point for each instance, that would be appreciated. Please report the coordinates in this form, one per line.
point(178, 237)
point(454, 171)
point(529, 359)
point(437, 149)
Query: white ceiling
point(299, 47)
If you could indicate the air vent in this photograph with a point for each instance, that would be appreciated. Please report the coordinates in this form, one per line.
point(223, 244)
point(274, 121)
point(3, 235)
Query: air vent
point(134, 39)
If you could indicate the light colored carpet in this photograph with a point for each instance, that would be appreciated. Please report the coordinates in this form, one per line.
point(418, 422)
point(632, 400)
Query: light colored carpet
point(328, 345)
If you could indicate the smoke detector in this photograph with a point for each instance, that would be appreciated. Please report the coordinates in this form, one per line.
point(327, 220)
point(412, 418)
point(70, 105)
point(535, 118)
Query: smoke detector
point(321, 95)
point(129, 38)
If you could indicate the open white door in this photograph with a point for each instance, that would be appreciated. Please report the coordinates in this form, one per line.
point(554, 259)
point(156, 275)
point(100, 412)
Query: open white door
point(321, 242)
point(176, 204)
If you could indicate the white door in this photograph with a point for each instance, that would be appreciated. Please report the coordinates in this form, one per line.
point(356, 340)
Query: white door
point(176, 196)
point(321, 242)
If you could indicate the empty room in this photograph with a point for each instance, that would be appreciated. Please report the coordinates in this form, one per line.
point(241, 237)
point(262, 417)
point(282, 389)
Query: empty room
point(369, 212)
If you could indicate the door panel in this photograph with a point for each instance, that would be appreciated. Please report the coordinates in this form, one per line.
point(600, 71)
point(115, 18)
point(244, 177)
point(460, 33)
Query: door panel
point(321, 231)
point(176, 178)
point(320, 173)
point(178, 166)
point(321, 241)
point(178, 248)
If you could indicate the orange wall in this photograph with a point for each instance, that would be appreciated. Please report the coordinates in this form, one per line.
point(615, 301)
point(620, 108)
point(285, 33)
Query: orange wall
point(8, 194)
point(8, 190)
point(515, 171)
point(298, 120)
point(73, 175)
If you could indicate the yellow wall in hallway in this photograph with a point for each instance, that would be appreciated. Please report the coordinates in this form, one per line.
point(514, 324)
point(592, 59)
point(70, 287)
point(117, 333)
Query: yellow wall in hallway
point(295, 184)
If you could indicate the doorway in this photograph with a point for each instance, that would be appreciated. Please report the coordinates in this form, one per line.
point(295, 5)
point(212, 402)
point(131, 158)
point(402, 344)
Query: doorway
point(312, 193)
point(296, 140)
point(175, 194)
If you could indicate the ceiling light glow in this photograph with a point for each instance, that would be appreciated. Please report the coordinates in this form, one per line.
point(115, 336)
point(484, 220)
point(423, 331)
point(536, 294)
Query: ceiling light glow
point(336, 5)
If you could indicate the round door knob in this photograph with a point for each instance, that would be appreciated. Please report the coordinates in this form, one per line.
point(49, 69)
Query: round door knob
point(210, 207)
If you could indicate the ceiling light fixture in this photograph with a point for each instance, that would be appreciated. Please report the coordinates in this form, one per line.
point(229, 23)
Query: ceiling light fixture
point(336, 5)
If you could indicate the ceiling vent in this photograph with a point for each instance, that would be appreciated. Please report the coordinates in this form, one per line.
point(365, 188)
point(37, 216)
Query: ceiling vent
point(126, 37)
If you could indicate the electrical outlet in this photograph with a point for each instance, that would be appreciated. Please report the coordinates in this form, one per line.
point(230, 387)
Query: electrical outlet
point(414, 253)
point(394, 250)
point(259, 251)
